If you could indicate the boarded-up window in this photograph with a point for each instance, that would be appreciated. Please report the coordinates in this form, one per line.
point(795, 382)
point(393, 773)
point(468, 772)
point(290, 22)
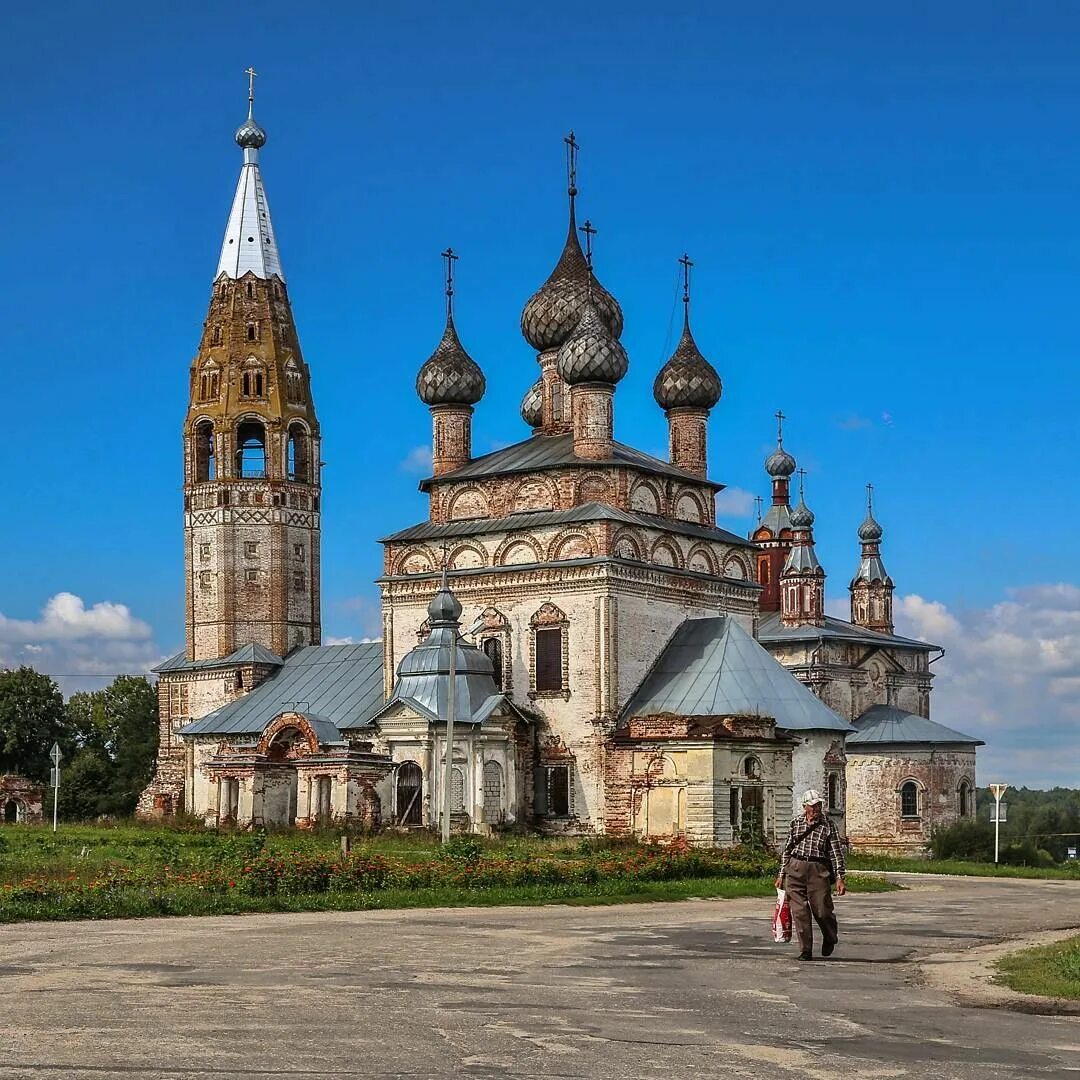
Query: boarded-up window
point(457, 792)
point(558, 790)
point(549, 657)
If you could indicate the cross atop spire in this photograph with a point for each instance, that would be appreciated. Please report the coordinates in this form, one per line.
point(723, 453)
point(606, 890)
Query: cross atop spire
point(687, 265)
point(802, 480)
point(780, 418)
point(870, 498)
point(251, 73)
point(445, 564)
point(572, 149)
point(589, 232)
point(450, 258)
point(759, 503)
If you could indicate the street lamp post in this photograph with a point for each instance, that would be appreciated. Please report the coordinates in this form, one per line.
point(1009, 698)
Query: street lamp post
point(997, 790)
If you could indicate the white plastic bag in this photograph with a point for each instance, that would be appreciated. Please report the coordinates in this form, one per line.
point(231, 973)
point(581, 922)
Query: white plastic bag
point(781, 923)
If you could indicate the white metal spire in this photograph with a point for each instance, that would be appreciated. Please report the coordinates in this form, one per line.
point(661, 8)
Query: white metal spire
point(249, 244)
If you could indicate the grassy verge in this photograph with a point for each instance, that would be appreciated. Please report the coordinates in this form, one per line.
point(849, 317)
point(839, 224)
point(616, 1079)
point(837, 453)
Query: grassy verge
point(1048, 970)
point(960, 867)
point(180, 900)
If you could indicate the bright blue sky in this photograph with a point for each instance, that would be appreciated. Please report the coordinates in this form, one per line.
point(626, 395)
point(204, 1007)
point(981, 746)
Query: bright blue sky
point(882, 209)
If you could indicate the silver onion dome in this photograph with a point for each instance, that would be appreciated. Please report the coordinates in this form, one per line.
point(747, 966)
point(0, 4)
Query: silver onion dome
point(552, 313)
point(444, 608)
point(687, 380)
point(802, 517)
point(870, 531)
point(450, 376)
point(249, 135)
point(592, 354)
point(779, 463)
point(532, 405)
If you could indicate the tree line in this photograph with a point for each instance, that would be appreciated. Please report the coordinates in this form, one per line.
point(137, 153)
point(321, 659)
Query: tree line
point(108, 737)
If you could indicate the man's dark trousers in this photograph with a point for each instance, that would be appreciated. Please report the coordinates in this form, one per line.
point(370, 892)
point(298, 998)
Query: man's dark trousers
point(808, 889)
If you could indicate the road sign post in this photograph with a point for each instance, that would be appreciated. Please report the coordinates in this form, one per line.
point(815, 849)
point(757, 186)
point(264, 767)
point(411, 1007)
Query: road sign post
point(997, 790)
point(55, 755)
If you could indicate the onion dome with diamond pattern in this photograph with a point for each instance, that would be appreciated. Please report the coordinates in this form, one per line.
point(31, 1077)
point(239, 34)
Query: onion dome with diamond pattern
point(249, 135)
point(687, 380)
point(552, 313)
point(802, 517)
point(445, 608)
point(592, 354)
point(532, 404)
point(450, 376)
point(870, 532)
point(780, 463)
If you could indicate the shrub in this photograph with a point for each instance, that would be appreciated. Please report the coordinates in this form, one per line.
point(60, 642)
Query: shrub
point(463, 848)
point(968, 839)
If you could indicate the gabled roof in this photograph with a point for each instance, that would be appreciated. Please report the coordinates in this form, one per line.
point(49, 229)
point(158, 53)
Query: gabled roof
point(246, 654)
point(713, 667)
point(886, 724)
point(548, 451)
point(535, 519)
point(339, 685)
point(771, 629)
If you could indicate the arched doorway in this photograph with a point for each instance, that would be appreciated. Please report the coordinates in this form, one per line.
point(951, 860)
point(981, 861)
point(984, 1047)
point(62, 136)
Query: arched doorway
point(11, 812)
point(409, 791)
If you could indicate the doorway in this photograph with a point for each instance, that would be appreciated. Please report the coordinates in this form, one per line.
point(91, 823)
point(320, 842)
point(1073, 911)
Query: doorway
point(409, 791)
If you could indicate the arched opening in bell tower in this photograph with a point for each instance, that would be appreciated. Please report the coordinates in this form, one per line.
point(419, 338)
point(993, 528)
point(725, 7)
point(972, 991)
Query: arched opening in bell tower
point(205, 469)
point(251, 450)
point(298, 454)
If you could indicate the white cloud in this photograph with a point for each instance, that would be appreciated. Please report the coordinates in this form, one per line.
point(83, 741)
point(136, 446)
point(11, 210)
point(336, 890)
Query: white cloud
point(1010, 675)
point(77, 643)
point(417, 460)
point(734, 502)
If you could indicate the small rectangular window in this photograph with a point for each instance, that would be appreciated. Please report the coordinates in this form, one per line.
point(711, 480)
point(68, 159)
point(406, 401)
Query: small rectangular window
point(298, 582)
point(549, 659)
point(253, 331)
point(204, 579)
point(251, 549)
point(204, 552)
point(733, 810)
point(298, 550)
point(251, 575)
point(558, 790)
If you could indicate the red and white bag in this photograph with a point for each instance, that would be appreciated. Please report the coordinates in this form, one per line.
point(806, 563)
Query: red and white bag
point(781, 920)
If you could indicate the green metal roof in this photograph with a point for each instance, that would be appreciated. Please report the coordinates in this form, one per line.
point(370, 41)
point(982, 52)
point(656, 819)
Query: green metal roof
point(886, 724)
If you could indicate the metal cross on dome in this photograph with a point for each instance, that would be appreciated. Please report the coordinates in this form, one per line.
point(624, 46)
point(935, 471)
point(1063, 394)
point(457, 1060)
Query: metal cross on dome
point(572, 149)
point(589, 232)
point(251, 73)
point(450, 258)
point(780, 418)
point(687, 264)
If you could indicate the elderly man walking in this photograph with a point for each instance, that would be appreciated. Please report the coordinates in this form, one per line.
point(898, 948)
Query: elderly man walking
point(812, 859)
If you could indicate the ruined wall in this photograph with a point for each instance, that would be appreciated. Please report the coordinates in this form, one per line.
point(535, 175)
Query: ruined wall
point(874, 782)
point(21, 800)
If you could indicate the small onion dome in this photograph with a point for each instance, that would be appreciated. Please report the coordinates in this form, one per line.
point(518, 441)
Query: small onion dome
point(687, 380)
point(870, 531)
point(249, 135)
point(450, 376)
point(554, 310)
point(532, 405)
point(592, 354)
point(802, 517)
point(444, 607)
point(779, 463)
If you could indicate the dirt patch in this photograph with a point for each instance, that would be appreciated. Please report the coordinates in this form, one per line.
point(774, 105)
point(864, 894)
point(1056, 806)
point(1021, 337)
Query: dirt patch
point(971, 976)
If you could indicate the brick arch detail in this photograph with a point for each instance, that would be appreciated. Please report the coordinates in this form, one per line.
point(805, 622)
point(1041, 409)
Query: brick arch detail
point(563, 538)
point(671, 546)
point(518, 538)
point(634, 538)
point(282, 723)
point(702, 551)
point(480, 553)
point(408, 553)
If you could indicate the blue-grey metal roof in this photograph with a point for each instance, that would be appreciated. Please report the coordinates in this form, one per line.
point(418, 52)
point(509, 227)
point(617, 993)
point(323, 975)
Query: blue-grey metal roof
point(246, 654)
point(886, 724)
point(771, 629)
point(550, 451)
point(713, 667)
point(339, 685)
point(538, 519)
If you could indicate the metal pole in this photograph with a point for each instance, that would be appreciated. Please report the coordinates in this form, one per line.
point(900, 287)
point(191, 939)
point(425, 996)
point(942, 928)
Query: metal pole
point(451, 710)
point(55, 794)
point(997, 823)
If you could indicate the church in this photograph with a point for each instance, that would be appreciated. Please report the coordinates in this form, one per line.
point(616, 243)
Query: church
point(614, 660)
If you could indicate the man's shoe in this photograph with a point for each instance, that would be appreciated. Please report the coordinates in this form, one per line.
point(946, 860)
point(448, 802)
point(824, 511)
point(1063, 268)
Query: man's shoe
point(827, 948)
point(805, 956)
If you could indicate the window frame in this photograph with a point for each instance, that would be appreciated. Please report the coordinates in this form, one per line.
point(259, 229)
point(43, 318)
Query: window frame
point(910, 784)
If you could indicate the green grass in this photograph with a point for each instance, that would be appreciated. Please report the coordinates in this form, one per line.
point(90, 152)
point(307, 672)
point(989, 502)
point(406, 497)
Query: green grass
point(1048, 970)
point(960, 867)
point(85, 872)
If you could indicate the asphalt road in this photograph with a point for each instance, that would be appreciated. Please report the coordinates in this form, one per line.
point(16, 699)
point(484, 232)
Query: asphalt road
point(651, 990)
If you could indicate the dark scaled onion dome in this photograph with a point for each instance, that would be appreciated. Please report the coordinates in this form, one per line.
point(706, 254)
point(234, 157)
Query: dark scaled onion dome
point(444, 607)
point(780, 463)
point(870, 531)
point(687, 380)
point(592, 354)
point(249, 135)
point(802, 517)
point(554, 310)
point(450, 376)
point(532, 404)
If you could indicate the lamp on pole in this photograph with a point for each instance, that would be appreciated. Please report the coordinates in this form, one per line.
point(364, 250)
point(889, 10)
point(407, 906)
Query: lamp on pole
point(997, 790)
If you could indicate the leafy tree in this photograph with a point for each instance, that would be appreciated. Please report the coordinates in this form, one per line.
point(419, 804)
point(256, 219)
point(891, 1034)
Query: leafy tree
point(85, 787)
point(32, 718)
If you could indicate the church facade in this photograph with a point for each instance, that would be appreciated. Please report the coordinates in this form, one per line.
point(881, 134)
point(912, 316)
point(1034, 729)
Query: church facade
point(615, 659)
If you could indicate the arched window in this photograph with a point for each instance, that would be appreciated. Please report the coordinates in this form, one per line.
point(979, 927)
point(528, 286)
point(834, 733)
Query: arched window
point(963, 798)
point(251, 450)
point(215, 337)
point(834, 791)
point(253, 383)
point(409, 790)
point(209, 382)
point(909, 799)
point(294, 383)
point(457, 791)
point(205, 469)
point(752, 768)
point(11, 812)
point(550, 667)
point(493, 650)
point(298, 454)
